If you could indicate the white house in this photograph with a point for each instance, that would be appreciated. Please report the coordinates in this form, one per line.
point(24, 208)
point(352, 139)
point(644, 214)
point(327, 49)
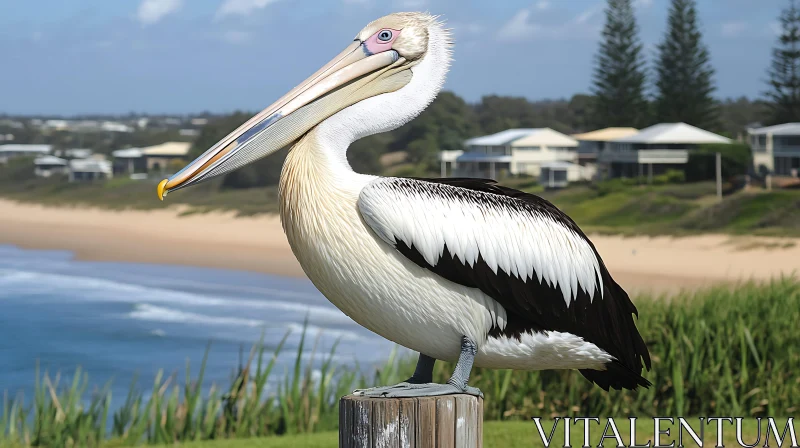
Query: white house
point(560, 174)
point(447, 159)
point(75, 153)
point(130, 160)
point(19, 150)
point(89, 169)
point(654, 150)
point(46, 166)
point(590, 144)
point(513, 151)
point(776, 148)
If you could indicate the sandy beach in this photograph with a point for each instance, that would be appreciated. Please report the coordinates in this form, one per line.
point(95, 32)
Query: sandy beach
point(220, 240)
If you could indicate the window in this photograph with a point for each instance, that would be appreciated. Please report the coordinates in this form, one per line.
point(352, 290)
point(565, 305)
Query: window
point(529, 148)
point(790, 140)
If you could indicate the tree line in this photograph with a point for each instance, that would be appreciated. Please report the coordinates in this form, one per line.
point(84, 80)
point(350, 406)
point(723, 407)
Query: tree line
point(682, 77)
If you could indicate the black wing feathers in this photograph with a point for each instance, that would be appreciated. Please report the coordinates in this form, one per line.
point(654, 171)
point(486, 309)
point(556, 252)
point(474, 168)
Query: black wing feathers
point(534, 307)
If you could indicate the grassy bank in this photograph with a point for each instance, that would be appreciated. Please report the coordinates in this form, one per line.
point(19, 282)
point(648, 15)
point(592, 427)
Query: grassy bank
point(676, 209)
point(724, 351)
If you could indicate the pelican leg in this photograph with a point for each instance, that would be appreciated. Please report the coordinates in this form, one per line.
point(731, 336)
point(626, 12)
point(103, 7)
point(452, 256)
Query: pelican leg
point(424, 371)
point(457, 384)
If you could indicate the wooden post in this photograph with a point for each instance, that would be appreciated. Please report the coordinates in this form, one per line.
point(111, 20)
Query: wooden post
point(447, 421)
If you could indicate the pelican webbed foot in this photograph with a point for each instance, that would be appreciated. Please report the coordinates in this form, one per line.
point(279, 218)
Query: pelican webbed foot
point(407, 390)
point(420, 385)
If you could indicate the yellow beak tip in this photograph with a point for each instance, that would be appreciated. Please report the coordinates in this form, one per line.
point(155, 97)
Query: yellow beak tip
point(162, 189)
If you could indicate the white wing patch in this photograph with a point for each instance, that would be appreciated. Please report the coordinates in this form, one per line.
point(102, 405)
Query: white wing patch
point(508, 233)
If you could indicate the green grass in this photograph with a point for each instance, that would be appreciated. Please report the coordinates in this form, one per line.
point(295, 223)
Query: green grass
point(679, 209)
point(720, 351)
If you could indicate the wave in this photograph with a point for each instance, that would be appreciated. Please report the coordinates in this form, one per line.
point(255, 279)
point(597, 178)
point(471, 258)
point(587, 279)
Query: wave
point(154, 313)
point(160, 314)
point(14, 283)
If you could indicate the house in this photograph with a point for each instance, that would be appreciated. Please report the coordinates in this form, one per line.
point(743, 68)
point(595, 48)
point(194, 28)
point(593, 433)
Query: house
point(653, 150)
point(776, 149)
point(10, 151)
point(159, 157)
point(590, 144)
point(89, 169)
point(447, 159)
point(559, 174)
point(75, 153)
point(152, 158)
point(114, 126)
point(46, 166)
point(514, 152)
point(130, 160)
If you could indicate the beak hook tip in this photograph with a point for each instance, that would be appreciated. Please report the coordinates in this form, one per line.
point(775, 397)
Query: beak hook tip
point(162, 189)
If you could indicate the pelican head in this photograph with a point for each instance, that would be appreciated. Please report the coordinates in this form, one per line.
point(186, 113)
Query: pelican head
point(378, 61)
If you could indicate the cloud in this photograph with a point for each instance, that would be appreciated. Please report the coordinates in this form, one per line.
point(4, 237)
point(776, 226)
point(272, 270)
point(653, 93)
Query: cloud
point(241, 7)
point(518, 28)
point(587, 14)
point(152, 11)
point(543, 4)
point(523, 26)
point(733, 29)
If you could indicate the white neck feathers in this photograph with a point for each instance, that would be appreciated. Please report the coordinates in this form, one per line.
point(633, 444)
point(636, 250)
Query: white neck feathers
point(389, 111)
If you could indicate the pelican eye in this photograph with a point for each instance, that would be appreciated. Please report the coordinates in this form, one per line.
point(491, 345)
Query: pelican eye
point(385, 36)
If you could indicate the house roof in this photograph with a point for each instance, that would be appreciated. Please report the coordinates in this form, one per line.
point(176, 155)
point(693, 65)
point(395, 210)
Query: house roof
point(78, 153)
point(605, 135)
point(33, 149)
point(49, 160)
point(479, 157)
point(545, 137)
point(673, 133)
point(174, 149)
point(129, 153)
point(501, 138)
point(90, 166)
point(778, 129)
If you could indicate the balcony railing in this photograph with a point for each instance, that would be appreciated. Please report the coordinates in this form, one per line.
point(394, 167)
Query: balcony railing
point(645, 156)
point(786, 151)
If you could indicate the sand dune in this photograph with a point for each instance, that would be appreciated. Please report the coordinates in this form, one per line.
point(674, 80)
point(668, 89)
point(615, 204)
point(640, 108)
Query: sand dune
point(221, 240)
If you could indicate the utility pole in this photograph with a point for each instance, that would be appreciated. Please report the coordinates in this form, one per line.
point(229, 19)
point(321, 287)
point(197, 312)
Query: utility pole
point(719, 176)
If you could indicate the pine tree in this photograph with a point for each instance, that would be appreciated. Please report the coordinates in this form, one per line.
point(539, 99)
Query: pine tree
point(619, 75)
point(684, 75)
point(784, 73)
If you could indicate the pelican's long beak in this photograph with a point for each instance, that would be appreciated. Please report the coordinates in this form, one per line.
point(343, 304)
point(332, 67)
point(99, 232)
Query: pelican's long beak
point(324, 93)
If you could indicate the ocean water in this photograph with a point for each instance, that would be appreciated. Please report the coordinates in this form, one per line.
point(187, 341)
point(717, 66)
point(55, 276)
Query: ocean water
point(118, 321)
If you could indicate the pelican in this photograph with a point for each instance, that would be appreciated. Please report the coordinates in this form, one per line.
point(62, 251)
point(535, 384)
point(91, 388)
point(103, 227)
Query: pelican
point(460, 270)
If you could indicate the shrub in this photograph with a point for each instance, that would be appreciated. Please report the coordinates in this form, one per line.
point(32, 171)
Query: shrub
point(736, 159)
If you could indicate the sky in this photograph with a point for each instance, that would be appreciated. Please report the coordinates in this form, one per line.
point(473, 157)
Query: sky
point(183, 56)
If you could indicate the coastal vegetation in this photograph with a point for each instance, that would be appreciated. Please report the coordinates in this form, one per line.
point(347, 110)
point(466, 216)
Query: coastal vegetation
point(728, 350)
point(668, 206)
